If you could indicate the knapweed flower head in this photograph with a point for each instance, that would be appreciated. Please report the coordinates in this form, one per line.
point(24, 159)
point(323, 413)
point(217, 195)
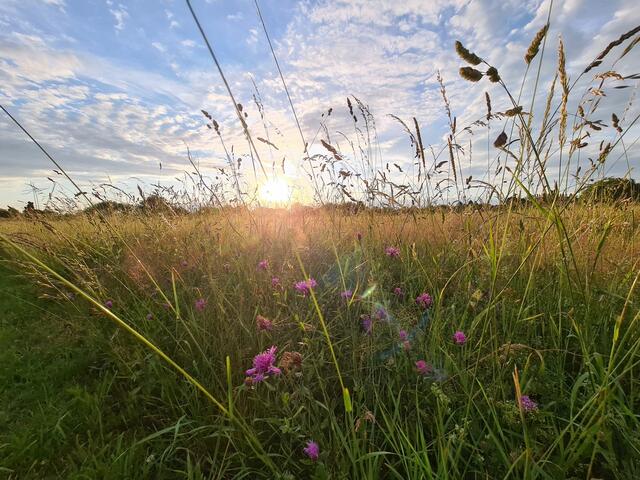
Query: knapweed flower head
point(367, 324)
point(200, 304)
point(423, 368)
point(424, 300)
point(108, 304)
point(264, 324)
point(312, 450)
point(263, 264)
point(403, 335)
point(264, 366)
point(291, 361)
point(398, 292)
point(392, 252)
point(304, 286)
point(275, 282)
point(346, 295)
point(527, 404)
point(459, 337)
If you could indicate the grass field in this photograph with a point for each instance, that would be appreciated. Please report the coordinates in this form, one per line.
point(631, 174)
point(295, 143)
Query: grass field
point(544, 383)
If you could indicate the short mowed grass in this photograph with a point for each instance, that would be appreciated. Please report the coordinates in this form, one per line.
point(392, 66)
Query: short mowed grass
point(547, 299)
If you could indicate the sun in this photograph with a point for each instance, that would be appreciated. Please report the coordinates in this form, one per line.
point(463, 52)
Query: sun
point(275, 190)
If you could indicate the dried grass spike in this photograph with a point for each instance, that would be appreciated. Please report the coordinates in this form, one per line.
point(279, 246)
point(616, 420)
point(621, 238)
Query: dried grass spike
point(493, 75)
point(466, 55)
point(533, 49)
point(471, 74)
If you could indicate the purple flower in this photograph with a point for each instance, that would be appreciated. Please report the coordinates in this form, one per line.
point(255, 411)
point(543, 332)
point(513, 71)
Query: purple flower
point(264, 324)
point(381, 313)
point(304, 286)
point(263, 365)
point(527, 404)
point(275, 282)
point(367, 324)
point(263, 264)
point(347, 294)
point(312, 450)
point(423, 368)
point(392, 252)
point(403, 335)
point(398, 292)
point(424, 300)
point(109, 304)
point(201, 303)
point(459, 337)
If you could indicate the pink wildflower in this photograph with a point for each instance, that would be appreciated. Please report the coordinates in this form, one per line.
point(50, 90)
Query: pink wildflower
point(423, 368)
point(263, 264)
point(312, 450)
point(264, 365)
point(459, 337)
point(109, 304)
point(424, 300)
point(304, 286)
point(398, 292)
point(403, 335)
point(392, 252)
point(347, 295)
point(201, 303)
point(264, 324)
point(527, 404)
point(367, 324)
point(275, 282)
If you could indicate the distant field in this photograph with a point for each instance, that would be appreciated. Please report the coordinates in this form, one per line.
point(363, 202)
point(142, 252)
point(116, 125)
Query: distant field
point(521, 362)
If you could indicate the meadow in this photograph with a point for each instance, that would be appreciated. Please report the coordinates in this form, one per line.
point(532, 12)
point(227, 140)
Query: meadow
point(419, 330)
point(379, 377)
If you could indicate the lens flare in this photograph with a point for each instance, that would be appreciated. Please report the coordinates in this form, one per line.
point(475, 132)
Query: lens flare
point(275, 190)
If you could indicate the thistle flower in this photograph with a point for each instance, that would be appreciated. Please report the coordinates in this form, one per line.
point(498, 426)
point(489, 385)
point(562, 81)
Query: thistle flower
point(403, 335)
point(275, 282)
point(398, 292)
point(423, 368)
point(459, 337)
point(471, 74)
point(263, 264)
point(263, 366)
point(264, 324)
point(466, 55)
point(424, 300)
point(312, 450)
point(304, 286)
point(201, 304)
point(527, 404)
point(108, 304)
point(367, 324)
point(392, 252)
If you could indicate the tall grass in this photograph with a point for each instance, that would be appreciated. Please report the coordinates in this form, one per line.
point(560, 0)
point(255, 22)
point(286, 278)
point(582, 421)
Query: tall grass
point(545, 291)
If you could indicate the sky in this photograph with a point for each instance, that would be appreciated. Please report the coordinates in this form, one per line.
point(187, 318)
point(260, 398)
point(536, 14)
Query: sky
point(114, 89)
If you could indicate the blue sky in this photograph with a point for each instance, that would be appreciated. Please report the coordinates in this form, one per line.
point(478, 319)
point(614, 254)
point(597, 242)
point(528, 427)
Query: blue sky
point(114, 88)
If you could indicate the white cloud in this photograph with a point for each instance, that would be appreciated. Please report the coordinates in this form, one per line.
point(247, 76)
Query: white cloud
point(120, 15)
